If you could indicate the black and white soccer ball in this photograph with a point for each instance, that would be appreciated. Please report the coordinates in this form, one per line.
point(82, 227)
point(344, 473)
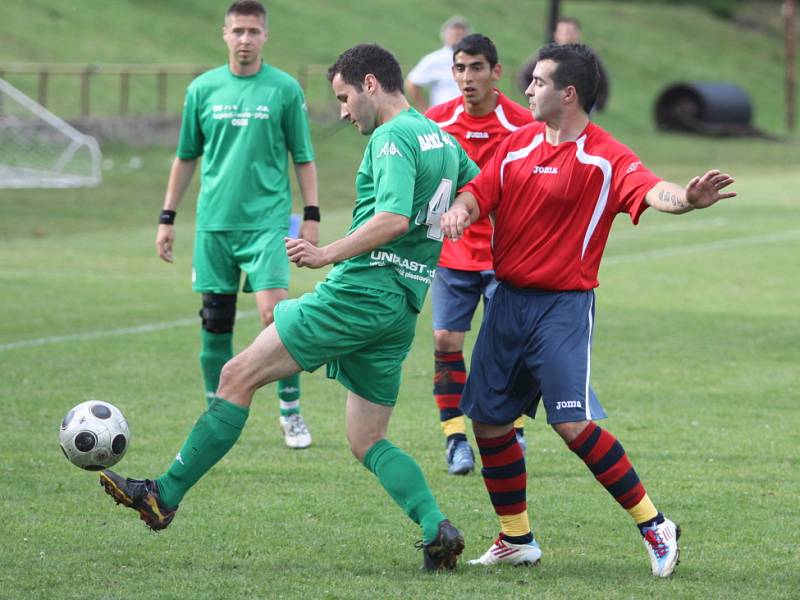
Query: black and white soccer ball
point(94, 435)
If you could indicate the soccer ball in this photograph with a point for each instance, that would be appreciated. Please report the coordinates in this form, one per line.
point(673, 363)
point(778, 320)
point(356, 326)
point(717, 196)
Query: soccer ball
point(94, 435)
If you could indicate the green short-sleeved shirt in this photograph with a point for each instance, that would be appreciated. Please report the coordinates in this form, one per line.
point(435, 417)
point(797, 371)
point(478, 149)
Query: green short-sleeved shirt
point(244, 128)
point(412, 168)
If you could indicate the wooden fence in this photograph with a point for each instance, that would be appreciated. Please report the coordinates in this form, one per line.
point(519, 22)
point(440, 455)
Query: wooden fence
point(86, 74)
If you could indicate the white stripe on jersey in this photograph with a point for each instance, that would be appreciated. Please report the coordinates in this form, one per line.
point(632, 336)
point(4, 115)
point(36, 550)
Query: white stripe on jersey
point(459, 109)
point(501, 116)
point(605, 166)
point(589, 364)
point(521, 153)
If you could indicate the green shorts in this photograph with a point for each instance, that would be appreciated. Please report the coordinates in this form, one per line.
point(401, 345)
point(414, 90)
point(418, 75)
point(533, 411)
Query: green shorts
point(362, 334)
point(221, 256)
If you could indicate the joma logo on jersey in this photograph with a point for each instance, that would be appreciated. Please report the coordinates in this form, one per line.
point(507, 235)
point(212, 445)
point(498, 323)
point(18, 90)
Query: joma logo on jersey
point(568, 404)
point(634, 166)
point(481, 135)
point(389, 149)
point(432, 141)
point(537, 170)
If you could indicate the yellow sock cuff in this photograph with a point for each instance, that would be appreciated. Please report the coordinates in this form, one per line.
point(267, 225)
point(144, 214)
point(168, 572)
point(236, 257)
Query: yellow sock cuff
point(515, 525)
point(454, 425)
point(644, 511)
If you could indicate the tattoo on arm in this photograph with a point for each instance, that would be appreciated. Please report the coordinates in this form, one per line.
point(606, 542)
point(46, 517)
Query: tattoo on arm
point(672, 199)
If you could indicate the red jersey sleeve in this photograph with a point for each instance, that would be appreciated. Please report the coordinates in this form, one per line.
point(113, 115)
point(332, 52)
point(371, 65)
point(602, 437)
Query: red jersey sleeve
point(632, 181)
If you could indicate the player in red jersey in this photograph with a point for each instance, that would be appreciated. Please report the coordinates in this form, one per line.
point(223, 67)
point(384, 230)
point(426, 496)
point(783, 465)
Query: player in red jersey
point(479, 119)
point(554, 188)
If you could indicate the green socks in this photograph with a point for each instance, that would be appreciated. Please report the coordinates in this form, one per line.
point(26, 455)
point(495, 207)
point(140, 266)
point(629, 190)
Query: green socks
point(403, 480)
point(215, 350)
point(289, 395)
point(214, 433)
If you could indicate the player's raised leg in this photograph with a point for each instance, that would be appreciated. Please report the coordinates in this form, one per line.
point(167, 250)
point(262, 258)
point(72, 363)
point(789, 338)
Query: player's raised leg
point(295, 431)
point(608, 461)
point(213, 435)
point(402, 479)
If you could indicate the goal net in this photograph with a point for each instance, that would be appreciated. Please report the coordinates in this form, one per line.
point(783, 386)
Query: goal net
point(40, 150)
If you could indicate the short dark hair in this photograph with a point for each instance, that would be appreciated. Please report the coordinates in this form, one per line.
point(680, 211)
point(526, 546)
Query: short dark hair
point(576, 65)
point(568, 20)
point(476, 44)
point(247, 8)
point(359, 61)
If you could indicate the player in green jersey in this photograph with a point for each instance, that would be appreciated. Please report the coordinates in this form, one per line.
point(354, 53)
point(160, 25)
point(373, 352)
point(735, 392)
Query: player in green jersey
point(243, 119)
point(360, 321)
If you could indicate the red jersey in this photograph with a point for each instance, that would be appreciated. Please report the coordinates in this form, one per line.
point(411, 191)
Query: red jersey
point(480, 137)
point(554, 205)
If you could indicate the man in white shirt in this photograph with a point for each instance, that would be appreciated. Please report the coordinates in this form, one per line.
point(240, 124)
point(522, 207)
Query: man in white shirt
point(434, 70)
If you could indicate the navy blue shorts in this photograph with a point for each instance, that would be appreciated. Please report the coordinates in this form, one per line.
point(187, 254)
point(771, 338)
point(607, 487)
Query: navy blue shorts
point(455, 295)
point(532, 345)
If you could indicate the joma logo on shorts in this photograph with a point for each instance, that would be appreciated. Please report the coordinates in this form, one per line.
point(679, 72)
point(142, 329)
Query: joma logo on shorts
point(568, 404)
point(537, 170)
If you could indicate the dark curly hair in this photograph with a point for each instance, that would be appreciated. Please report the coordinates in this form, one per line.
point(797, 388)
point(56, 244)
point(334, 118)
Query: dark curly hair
point(359, 61)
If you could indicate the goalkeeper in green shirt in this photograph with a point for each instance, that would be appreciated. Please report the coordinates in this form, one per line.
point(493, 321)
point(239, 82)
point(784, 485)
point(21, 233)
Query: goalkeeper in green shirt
point(360, 320)
point(243, 119)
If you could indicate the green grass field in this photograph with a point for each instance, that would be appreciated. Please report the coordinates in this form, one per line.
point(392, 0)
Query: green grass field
point(696, 360)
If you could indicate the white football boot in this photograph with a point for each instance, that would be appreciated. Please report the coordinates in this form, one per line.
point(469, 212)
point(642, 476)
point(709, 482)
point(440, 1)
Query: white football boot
point(295, 433)
point(661, 542)
point(502, 551)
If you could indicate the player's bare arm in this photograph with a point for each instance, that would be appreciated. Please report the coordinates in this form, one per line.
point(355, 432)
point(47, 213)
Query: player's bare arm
point(379, 230)
point(463, 213)
point(180, 176)
point(307, 181)
point(701, 192)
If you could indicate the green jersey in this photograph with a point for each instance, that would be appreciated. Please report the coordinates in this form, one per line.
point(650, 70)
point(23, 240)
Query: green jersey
point(412, 168)
point(244, 128)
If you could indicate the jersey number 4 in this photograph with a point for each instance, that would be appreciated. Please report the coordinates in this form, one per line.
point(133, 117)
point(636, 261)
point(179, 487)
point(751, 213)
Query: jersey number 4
point(431, 215)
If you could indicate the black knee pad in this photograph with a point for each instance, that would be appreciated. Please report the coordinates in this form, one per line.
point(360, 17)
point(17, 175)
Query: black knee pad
point(218, 312)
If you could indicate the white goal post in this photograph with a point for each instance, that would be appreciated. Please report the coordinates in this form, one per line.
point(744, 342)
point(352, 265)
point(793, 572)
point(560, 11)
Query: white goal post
point(39, 149)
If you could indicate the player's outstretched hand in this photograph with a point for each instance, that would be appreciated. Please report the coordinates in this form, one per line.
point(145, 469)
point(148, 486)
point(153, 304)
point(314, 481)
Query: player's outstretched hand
point(703, 191)
point(454, 222)
point(304, 254)
point(165, 238)
point(309, 230)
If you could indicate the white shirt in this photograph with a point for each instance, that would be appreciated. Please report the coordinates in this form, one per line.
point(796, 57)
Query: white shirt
point(434, 71)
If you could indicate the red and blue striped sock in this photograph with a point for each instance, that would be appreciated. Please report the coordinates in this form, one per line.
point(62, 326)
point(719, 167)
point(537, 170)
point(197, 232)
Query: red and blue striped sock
point(506, 480)
point(607, 460)
point(450, 374)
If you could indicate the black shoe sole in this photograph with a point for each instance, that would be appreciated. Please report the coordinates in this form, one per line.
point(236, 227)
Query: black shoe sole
point(120, 497)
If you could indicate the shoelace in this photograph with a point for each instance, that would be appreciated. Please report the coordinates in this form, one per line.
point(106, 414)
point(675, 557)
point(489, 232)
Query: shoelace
point(658, 546)
point(460, 452)
point(297, 425)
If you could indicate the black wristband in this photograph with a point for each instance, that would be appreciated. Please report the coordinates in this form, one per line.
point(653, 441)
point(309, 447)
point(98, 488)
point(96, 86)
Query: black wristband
point(311, 213)
point(167, 217)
